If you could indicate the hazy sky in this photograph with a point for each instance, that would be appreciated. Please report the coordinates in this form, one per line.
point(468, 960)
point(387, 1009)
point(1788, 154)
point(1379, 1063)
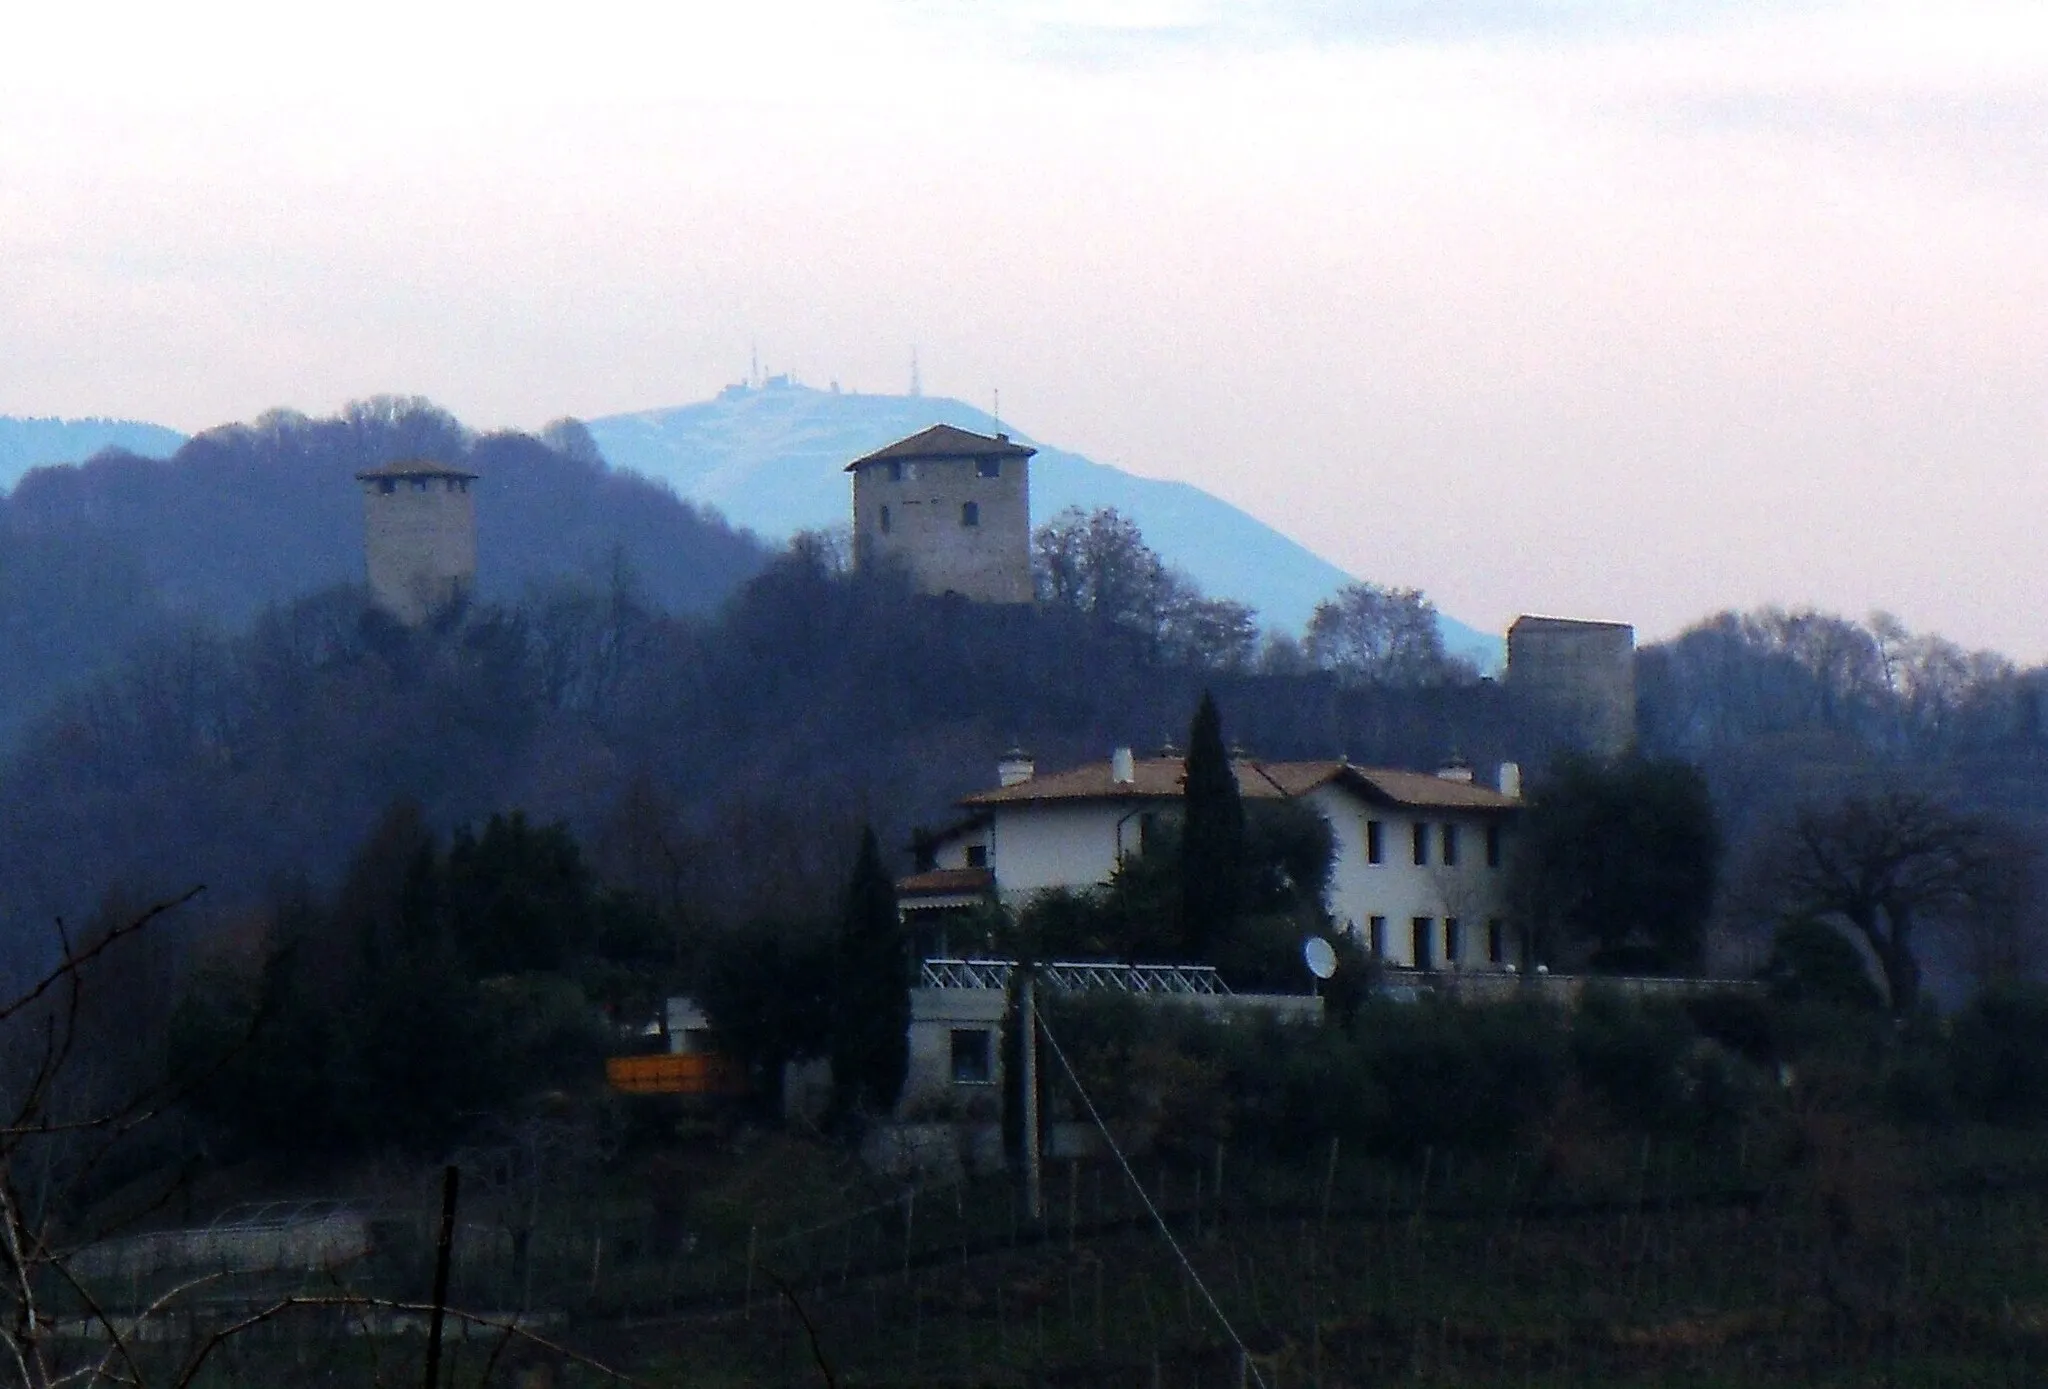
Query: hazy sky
point(1608, 309)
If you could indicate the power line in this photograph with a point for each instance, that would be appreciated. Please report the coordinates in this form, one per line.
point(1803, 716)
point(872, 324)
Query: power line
point(1242, 1349)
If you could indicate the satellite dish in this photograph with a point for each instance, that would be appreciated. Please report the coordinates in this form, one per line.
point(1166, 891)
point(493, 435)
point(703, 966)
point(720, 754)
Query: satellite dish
point(1320, 958)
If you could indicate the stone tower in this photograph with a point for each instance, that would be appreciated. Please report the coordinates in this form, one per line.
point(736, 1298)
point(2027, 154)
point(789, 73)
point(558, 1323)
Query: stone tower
point(953, 507)
point(1581, 673)
point(419, 537)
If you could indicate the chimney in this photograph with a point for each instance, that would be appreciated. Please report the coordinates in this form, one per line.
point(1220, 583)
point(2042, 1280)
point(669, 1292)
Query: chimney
point(1123, 768)
point(1511, 779)
point(1457, 769)
point(1015, 766)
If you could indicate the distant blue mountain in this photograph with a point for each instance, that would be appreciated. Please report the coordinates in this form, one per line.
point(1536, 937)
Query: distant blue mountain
point(770, 458)
point(34, 443)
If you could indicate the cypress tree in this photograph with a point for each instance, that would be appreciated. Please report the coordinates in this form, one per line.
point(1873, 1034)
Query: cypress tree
point(1212, 836)
point(871, 1008)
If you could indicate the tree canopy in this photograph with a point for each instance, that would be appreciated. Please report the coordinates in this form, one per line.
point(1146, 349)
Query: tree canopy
point(1383, 636)
point(1888, 864)
point(871, 995)
point(1212, 844)
point(1618, 858)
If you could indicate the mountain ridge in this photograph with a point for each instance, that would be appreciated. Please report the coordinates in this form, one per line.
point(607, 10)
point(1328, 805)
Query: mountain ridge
point(769, 457)
point(28, 442)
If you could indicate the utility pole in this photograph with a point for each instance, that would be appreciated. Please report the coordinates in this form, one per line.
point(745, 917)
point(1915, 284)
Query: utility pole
point(1034, 1187)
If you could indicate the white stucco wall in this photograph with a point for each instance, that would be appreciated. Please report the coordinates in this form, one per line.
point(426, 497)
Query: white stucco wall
point(1034, 847)
point(1397, 889)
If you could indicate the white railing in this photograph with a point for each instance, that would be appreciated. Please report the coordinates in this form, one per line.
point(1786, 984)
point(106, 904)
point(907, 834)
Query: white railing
point(1077, 976)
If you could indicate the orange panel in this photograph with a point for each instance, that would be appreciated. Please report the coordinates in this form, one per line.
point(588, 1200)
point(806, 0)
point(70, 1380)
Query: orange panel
point(672, 1073)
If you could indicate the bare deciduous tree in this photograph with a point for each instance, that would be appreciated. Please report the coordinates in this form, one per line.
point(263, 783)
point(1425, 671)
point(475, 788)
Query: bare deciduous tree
point(1888, 864)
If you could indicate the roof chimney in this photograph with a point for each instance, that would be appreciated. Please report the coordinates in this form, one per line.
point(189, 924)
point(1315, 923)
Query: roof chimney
point(1511, 779)
point(1457, 769)
point(1123, 768)
point(1015, 766)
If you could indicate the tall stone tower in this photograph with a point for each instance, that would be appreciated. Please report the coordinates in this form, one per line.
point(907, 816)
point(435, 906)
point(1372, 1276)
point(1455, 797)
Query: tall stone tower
point(419, 537)
point(953, 507)
point(1581, 673)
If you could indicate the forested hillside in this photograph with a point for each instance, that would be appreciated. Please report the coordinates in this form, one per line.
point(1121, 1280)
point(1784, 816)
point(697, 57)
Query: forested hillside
point(96, 555)
point(199, 695)
point(728, 758)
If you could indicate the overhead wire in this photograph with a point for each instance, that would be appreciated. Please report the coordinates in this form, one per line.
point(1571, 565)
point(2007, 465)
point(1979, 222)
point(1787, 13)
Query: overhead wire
point(1222, 1319)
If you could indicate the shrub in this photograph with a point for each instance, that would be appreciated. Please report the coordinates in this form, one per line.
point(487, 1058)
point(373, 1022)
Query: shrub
point(1634, 1057)
point(1812, 962)
point(1460, 1077)
point(1999, 1055)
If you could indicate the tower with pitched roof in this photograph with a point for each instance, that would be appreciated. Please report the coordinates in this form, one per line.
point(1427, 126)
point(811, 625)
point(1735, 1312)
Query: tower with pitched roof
point(953, 508)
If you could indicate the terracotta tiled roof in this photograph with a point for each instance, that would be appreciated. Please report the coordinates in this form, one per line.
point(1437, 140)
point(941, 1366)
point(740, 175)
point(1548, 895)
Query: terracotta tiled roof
point(414, 467)
point(946, 882)
point(945, 441)
point(1162, 778)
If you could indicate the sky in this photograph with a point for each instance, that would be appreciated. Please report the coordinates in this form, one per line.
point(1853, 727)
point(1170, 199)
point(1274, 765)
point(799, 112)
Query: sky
point(1604, 309)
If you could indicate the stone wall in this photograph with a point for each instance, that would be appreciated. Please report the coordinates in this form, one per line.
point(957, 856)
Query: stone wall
point(1581, 675)
point(419, 544)
point(924, 530)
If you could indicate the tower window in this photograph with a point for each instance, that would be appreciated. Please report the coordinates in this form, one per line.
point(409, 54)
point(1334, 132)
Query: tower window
point(1421, 845)
point(1422, 942)
point(1374, 853)
point(1377, 933)
point(885, 520)
point(1450, 855)
point(386, 486)
point(896, 470)
point(420, 484)
point(1493, 846)
point(970, 513)
point(988, 467)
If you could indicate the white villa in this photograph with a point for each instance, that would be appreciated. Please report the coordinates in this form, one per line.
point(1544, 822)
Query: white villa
point(1420, 857)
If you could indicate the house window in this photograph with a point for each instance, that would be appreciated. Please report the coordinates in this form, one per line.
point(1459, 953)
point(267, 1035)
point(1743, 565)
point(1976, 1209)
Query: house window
point(1421, 843)
point(977, 855)
point(988, 467)
point(1450, 846)
point(1422, 942)
point(1374, 850)
point(1454, 941)
point(973, 1057)
point(420, 484)
point(1493, 846)
point(896, 471)
point(1496, 947)
point(885, 520)
point(1376, 929)
point(970, 513)
point(386, 486)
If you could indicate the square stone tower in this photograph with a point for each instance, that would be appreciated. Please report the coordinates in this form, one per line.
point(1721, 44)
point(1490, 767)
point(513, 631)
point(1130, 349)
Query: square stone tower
point(1583, 673)
point(419, 537)
point(953, 507)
